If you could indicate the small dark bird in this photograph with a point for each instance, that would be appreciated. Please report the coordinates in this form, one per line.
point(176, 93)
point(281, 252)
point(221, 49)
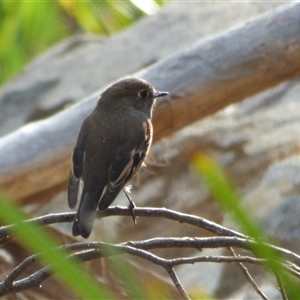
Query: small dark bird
point(113, 142)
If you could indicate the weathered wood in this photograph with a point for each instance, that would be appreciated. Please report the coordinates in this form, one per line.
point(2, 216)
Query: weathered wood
point(201, 80)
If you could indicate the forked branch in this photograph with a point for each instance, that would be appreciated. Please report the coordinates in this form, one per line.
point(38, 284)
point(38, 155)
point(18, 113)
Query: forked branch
point(87, 251)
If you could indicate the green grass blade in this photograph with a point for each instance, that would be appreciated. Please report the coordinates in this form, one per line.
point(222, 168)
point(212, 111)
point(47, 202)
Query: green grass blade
point(224, 192)
point(36, 240)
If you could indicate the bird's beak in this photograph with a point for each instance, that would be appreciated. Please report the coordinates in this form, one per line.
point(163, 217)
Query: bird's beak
point(160, 94)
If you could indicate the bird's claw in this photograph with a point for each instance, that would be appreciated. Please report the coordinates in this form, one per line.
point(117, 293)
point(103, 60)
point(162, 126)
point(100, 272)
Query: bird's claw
point(131, 207)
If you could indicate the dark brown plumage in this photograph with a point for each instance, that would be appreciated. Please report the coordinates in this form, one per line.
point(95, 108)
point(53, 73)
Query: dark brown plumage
point(112, 144)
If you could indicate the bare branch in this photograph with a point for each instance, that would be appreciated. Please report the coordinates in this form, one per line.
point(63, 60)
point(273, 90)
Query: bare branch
point(177, 283)
point(10, 285)
point(41, 221)
point(163, 213)
point(172, 215)
point(7, 284)
point(93, 250)
point(281, 287)
point(140, 212)
point(247, 275)
point(86, 251)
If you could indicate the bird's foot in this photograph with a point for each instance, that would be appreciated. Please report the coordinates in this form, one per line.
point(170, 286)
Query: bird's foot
point(131, 207)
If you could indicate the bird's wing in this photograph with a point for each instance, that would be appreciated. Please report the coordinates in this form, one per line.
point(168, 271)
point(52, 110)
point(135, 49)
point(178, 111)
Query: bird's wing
point(77, 163)
point(128, 160)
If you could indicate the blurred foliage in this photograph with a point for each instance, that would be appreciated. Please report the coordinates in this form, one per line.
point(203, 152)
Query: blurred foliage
point(36, 240)
point(225, 194)
point(81, 283)
point(29, 27)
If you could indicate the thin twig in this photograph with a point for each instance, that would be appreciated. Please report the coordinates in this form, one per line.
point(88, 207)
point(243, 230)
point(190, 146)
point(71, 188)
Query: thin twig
point(172, 215)
point(281, 287)
point(247, 275)
point(154, 212)
point(176, 282)
point(216, 259)
point(41, 221)
point(93, 250)
point(16, 272)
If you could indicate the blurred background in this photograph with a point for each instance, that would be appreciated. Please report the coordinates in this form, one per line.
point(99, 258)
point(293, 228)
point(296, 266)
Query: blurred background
point(28, 27)
point(56, 53)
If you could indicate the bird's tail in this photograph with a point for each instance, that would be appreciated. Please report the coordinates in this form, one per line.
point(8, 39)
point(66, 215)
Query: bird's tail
point(84, 219)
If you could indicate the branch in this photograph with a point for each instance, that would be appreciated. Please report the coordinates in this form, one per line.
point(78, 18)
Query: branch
point(281, 287)
point(161, 213)
point(248, 276)
point(176, 282)
point(86, 251)
point(94, 250)
point(139, 212)
point(41, 221)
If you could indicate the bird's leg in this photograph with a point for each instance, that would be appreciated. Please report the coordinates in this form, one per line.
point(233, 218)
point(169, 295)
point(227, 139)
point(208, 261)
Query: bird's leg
point(131, 206)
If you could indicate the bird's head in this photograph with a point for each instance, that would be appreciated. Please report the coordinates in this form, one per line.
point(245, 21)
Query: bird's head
point(130, 92)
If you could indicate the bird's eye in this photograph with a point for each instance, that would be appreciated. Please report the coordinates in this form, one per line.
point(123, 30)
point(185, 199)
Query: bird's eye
point(143, 94)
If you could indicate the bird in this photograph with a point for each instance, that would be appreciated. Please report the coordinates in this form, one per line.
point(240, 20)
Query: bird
point(112, 145)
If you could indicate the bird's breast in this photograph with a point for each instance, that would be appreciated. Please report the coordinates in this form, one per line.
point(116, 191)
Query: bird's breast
point(147, 126)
